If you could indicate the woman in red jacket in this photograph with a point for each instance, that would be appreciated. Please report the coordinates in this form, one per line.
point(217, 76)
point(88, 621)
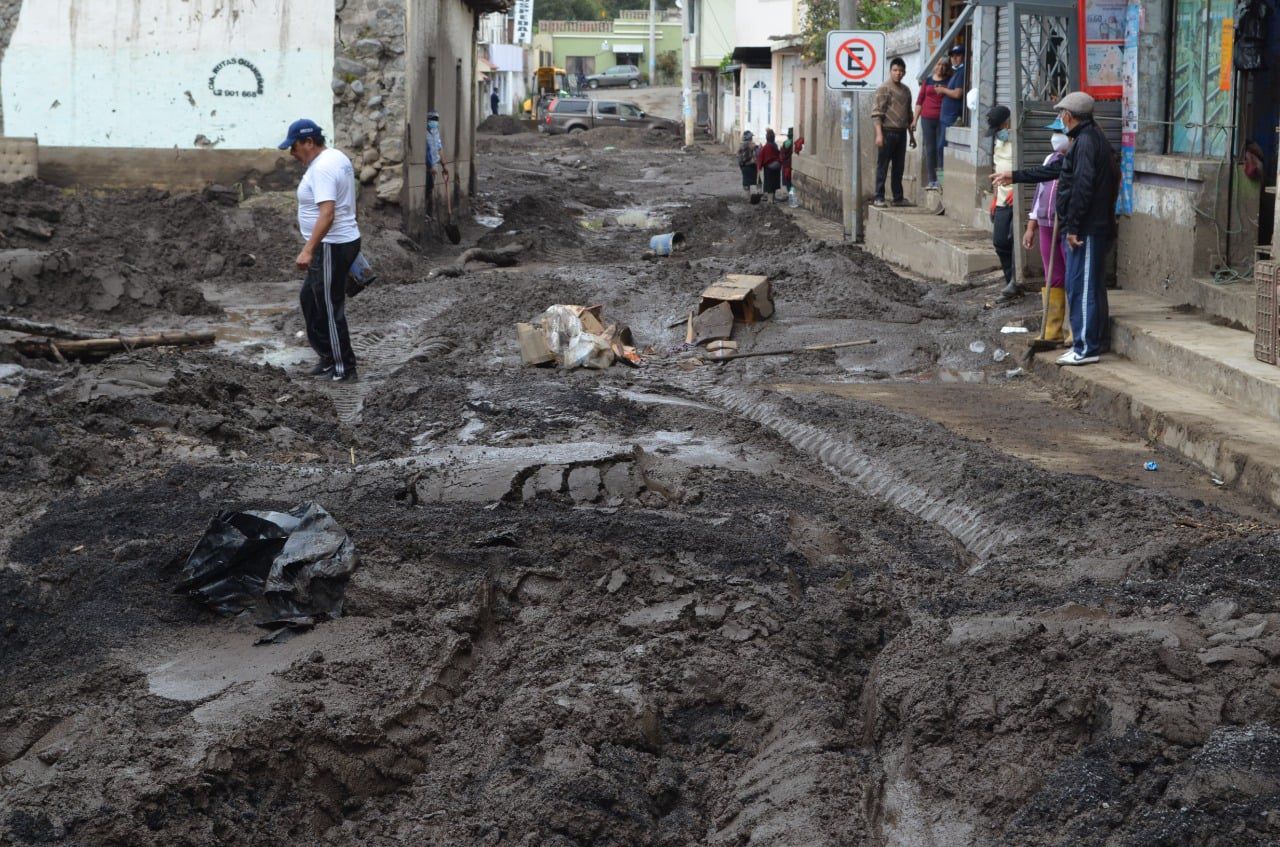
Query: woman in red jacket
point(769, 160)
point(928, 110)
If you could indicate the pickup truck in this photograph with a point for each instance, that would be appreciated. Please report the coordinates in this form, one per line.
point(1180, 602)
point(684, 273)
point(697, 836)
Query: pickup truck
point(575, 114)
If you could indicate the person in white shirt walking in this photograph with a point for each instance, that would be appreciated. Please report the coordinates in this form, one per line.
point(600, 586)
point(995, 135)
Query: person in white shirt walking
point(327, 220)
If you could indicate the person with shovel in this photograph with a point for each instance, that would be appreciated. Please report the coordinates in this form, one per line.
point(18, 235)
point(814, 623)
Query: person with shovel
point(435, 157)
point(327, 220)
point(1042, 230)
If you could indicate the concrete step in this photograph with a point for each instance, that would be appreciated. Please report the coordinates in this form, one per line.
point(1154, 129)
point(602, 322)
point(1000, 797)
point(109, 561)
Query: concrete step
point(1186, 348)
point(930, 245)
point(1233, 302)
point(1239, 448)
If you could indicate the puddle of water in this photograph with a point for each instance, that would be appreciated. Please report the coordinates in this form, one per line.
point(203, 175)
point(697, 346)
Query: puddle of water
point(491, 221)
point(632, 218)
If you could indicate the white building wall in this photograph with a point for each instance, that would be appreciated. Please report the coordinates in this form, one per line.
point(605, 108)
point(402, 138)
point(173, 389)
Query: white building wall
point(155, 73)
point(756, 20)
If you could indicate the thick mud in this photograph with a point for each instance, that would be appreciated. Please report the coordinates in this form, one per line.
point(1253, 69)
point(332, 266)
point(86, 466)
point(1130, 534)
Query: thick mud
point(668, 605)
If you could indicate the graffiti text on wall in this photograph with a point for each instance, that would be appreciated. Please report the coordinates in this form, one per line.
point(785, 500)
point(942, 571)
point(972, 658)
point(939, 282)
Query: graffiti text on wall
point(232, 92)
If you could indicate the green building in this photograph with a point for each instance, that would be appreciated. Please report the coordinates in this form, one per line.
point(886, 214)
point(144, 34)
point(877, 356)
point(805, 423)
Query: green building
point(592, 47)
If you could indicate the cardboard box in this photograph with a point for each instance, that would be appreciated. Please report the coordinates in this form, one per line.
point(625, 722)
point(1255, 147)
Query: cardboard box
point(534, 349)
point(749, 296)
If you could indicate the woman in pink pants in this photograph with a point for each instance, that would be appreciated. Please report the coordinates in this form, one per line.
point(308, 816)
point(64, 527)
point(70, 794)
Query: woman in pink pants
point(1041, 224)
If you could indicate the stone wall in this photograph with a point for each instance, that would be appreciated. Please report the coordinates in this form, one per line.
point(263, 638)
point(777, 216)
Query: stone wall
point(8, 20)
point(369, 100)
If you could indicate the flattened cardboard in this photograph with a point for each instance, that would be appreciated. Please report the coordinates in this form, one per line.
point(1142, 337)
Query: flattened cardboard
point(716, 322)
point(748, 295)
point(590, 317)
point(534, 349)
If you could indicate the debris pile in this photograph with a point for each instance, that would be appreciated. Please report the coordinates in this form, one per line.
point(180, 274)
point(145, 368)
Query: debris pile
point(292, 567)
point(575, 337)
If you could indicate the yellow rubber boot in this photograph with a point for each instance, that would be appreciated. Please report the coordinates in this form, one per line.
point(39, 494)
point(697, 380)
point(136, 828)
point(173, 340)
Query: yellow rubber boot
point(1055, 313)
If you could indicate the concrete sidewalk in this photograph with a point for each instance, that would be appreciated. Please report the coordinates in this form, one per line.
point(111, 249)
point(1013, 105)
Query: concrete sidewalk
point(928, 244)
point(1179, 379)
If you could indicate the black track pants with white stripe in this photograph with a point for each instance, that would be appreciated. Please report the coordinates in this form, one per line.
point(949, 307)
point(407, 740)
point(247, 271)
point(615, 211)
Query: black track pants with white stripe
point(324, 304)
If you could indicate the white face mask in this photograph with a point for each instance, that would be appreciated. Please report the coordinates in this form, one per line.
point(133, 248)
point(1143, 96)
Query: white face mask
point(1059, 142)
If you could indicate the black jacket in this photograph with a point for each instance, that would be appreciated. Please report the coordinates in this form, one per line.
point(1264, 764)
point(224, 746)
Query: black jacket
point(1088, 181)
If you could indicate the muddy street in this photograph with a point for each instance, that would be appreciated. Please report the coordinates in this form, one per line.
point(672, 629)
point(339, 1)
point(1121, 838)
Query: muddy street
point(900, 593)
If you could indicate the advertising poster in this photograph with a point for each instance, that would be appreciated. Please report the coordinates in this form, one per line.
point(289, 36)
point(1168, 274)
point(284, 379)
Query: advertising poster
point(1129, 107)
point(1102, 40)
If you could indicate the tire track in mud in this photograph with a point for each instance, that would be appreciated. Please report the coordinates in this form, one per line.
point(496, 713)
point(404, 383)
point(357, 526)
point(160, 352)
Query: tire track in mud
point(380, 352)
point(979, 531)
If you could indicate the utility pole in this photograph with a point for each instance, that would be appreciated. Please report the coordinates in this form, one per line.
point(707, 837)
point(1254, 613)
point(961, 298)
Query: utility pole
point(853, 147)
point(686, 73)
point(653, 40)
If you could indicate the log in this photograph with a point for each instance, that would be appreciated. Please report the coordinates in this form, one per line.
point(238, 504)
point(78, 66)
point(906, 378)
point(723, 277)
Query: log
point(503, 257)
point(808, 348)
point(91, 348)
point(16, 324)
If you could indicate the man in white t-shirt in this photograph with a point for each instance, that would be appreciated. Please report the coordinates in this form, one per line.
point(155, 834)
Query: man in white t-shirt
point(327, 220)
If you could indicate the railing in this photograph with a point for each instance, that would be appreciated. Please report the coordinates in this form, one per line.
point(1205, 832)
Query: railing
point(643, 15)
point(574, 26)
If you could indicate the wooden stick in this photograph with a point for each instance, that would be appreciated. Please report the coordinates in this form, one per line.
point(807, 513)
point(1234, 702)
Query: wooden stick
point(17, 324)
point(91, 347)
point(811, 347)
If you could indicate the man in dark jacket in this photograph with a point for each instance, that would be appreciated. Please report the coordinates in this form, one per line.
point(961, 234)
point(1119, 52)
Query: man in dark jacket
point(1088, 179)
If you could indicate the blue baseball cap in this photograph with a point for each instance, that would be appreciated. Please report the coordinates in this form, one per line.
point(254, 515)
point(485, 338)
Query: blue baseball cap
point(1057, 124)
point(300, 129)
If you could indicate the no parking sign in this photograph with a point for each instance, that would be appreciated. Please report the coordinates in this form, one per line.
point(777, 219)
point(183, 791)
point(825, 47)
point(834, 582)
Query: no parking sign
point(856, 60)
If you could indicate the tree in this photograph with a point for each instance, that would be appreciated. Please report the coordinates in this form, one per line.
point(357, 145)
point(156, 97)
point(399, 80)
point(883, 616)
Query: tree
point(822, 16)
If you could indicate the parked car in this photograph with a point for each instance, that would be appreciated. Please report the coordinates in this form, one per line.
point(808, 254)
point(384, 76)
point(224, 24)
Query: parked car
point(628, 75)
point(574, 114)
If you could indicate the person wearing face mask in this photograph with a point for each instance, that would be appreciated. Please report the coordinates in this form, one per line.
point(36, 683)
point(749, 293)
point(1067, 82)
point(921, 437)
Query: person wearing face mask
point(435, 156)
point(1040, 230)
point(1002, 200)
point(1088, 181)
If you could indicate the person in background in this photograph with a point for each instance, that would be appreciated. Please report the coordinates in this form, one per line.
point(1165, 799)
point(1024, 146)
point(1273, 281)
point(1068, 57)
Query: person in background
point(1040, 231)
point(952, 100)
point(327, 221)
point(769, 160)
point(747, 161)
point(581, 80)
point(1002, 200)
point(788, 150)
point(928, 112)
point(891, 112)
point(493, 100)
point(435, 157)
point(1088, 181)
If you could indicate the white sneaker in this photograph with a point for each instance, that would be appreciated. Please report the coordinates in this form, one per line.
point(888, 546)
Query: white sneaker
point(1072, 358)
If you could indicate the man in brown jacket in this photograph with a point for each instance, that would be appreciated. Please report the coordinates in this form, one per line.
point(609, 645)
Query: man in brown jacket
point(891, 112)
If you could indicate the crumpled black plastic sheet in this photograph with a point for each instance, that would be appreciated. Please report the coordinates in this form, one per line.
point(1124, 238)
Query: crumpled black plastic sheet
point(291, 568)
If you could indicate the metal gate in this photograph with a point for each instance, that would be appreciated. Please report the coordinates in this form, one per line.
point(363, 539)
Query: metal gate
point(1041, 67)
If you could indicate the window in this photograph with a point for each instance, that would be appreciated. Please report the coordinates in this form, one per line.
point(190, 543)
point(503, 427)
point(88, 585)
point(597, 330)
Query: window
point(571, 107)
point(811, 143)
point(804, 93)
point(1199, 108)
point(629, 111)
point(606, 108)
